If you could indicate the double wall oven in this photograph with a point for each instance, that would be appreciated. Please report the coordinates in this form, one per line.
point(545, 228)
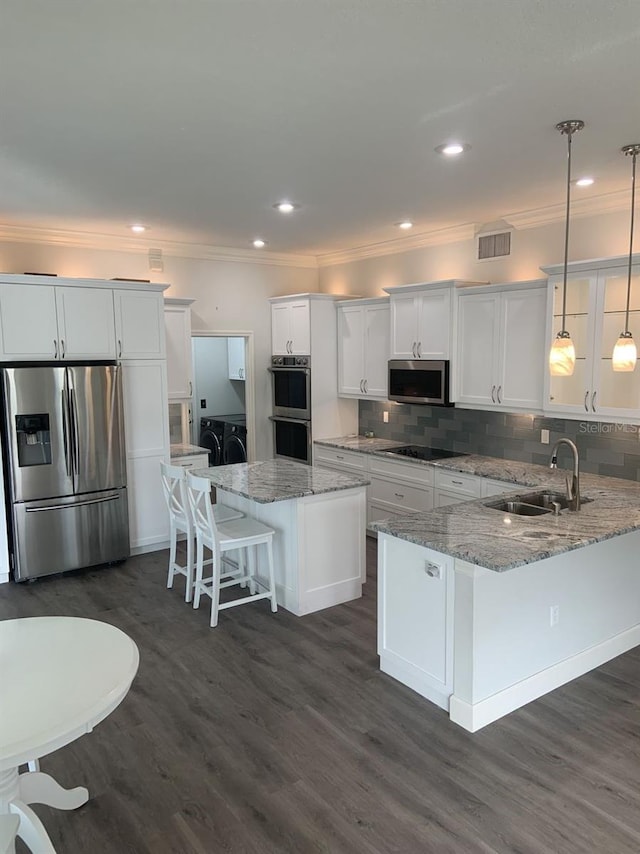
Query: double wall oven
point(291, 382)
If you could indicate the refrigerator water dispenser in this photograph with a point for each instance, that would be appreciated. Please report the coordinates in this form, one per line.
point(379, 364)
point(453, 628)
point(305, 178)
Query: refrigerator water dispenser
point(34, 440)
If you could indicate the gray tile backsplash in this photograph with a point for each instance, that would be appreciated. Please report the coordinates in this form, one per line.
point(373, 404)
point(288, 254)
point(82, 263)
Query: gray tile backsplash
point(607, 449)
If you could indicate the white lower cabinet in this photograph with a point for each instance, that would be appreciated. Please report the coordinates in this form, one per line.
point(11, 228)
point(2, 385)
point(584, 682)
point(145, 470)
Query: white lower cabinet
point(415, 617)
point(144, 386)
point(453, 488)
point(399, 487)
point(192, 462)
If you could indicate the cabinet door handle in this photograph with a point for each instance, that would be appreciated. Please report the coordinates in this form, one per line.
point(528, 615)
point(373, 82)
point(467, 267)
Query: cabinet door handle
point(119, 348)
point(366, 387)
point(457, 482)
point(55, 348)
point(433, 570)
point(338, 457)
point(593, 401)
point(190, 389)
point(586, 400)
point(498, 394)
point(361, 389)
point(419, 349)
point(413, 350)
point(291, 346)
point(493, 393)
point(399, 494)
point(62, 348)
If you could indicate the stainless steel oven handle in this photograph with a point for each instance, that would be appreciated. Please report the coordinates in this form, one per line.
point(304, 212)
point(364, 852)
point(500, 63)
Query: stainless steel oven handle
point(75, 504)
point(290, 420)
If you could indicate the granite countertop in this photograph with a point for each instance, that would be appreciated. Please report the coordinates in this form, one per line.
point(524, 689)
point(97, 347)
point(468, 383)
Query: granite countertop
point(179, 450)
point(278, 480)
point(501, 541)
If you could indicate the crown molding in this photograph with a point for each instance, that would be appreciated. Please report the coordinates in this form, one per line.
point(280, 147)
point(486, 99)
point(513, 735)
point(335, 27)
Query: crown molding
point(175, 249)
point(454, 234)
point(534, 218)
point(593, 206)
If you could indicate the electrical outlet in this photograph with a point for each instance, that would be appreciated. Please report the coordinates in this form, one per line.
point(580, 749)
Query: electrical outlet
point(385, 417)
point(544, 437)
point(554, 615)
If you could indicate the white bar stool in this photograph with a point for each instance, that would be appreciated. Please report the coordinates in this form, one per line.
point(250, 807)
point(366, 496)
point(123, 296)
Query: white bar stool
point(174, 487)
point(235, 535)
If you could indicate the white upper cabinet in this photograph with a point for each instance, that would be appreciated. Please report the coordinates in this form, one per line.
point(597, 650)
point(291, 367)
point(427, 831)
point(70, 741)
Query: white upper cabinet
point(177, 322)
point(421, 320)
point(290, 328)
point(363, 348)
point(236, 359)
point(595, 317)
point(86, 323)
point(28, 324)
point(139, 324)
point(500, 346)
point(56, 322)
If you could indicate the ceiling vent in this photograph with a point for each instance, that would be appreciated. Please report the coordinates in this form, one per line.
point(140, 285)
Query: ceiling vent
point(494, 245)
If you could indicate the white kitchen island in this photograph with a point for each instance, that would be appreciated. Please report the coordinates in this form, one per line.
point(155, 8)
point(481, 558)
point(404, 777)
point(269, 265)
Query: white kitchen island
point(481, 611)
point(319, 517)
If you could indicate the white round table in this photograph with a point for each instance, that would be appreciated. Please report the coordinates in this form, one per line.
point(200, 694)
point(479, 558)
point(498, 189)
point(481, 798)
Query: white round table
point(59, 677)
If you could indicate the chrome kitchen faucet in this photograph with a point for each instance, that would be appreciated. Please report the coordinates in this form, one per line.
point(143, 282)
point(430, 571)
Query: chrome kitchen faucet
point(573, 485)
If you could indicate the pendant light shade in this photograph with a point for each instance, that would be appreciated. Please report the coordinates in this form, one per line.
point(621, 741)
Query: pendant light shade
point(625, 353)
point(562, 357)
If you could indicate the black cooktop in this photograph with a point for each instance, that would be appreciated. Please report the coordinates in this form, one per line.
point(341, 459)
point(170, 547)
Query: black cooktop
point(421, 452)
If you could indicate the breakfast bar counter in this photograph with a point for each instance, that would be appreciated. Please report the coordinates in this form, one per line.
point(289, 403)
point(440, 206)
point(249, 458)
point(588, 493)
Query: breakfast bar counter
point(319, 518)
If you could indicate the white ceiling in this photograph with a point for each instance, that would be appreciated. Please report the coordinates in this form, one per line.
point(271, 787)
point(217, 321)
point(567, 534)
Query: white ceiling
point(195, 116)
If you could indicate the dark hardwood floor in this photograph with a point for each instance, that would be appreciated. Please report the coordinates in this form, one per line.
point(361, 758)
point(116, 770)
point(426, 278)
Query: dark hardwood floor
point(273, 733)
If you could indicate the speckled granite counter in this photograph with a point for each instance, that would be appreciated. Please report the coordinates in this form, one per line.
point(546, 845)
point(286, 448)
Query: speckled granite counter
point(182, 450)
point(278, 480)
point(502, 541)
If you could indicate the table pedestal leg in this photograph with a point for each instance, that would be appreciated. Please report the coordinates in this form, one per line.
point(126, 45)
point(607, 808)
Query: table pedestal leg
point(39, 788)
point(31, 829)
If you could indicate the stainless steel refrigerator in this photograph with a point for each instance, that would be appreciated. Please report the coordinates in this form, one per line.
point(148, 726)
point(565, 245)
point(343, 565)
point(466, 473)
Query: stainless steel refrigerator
point(65, 467)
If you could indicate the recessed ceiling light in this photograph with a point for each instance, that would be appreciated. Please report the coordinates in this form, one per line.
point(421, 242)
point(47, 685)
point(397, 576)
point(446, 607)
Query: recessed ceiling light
point(584, 182)
point(137, 228)
point(286, 207)
point(405, 224)
point(452, 149)
point(258, 243)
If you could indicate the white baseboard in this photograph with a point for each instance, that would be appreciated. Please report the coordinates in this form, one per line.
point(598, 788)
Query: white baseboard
point(415, 679)
point(474, 716)
point(150, 547)
point(4, 578)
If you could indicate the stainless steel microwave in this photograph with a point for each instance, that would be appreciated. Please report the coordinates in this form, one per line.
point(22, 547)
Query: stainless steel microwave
point(419, 381)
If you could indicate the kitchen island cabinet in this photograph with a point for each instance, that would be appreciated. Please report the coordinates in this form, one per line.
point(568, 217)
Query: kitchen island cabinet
point(319, 520)
point(481, 611)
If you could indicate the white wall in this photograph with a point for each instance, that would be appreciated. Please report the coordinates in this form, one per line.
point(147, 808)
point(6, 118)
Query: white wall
point(211, 380)
point(590, 237)
point(230, 296)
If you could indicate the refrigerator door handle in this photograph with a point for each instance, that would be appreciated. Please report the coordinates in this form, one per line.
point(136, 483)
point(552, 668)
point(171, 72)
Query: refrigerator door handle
point(76, 437)
point(66, 430)
point(72, 506)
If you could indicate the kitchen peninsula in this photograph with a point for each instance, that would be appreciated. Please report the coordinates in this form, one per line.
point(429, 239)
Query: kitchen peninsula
point(319, 520)
point(481, 610)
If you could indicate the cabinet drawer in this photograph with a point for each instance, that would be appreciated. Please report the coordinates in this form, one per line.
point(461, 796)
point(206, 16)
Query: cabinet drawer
point(197, 462)
point(402, 495)
point(497, 487)
point(465, 484)
point(336, 458)
point(413, 472)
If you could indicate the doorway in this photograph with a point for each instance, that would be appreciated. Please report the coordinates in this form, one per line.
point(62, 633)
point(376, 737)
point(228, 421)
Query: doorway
point(223, 385)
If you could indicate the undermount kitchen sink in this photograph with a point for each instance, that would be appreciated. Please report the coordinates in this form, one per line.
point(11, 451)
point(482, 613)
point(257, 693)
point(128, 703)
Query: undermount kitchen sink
point(533, 504)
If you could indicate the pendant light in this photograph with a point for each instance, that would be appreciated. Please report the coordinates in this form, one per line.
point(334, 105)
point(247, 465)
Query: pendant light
point(625, 354)
point(562, 357)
